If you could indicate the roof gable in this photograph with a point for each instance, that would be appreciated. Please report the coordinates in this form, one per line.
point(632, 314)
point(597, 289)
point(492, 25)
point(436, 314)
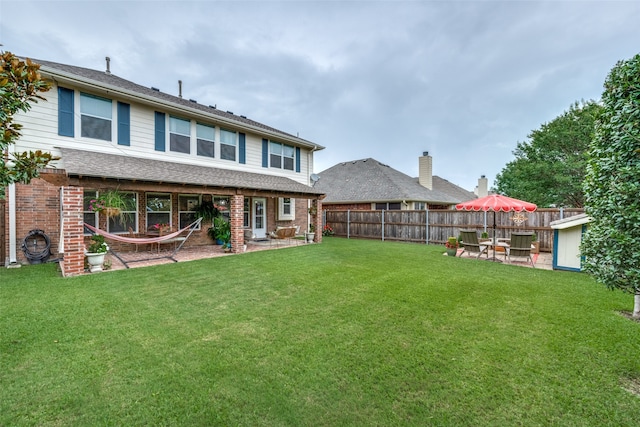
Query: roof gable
point(369, 180)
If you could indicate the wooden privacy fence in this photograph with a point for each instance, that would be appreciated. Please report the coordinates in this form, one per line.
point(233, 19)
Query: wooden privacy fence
point(435, 226)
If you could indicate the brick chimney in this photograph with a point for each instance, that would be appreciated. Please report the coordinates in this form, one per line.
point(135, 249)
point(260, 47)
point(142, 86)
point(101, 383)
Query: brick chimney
point(425, 170)
point(483, 187)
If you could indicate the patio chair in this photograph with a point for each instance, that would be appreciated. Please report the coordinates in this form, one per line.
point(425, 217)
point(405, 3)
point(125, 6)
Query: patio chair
point(520, 247)
point(471, 245)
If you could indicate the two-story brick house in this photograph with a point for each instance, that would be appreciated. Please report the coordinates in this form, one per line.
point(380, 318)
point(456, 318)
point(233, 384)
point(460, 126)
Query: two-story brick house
point(166, 154)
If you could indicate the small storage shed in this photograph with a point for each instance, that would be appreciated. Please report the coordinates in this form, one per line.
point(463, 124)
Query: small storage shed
point(567, 236)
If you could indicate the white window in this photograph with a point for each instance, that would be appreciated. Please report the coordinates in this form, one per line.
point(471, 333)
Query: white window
point(228, 143)
point(246, 214)
point(128, 218)
point(186, 209)
point(96, 117)
point(89, 216)
point(281, 156)
point(158, 210)
point(179, 135)
point(286, 209)
point(206, 140)
point(419, 206)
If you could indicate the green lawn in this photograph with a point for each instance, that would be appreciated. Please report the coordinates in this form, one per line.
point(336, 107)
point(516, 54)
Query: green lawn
point(344, 333)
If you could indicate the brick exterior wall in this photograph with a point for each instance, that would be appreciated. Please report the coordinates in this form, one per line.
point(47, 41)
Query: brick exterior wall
point(73, 262)
point(37, 207)
point(237, 223)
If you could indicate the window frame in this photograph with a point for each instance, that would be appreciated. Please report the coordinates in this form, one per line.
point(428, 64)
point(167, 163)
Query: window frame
point(201, 140)
point(189, 215)
point(182, 140)
point(223, 145)
point(283, 203)
point(279, 158)
point(158, 213)
point(94, 115)
point(87, 196)
point(127, 218)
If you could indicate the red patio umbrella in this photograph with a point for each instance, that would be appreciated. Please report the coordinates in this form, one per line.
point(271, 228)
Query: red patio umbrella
point(496, 203)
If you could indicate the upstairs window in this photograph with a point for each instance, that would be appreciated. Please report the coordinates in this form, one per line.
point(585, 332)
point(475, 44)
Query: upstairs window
point(179, 135)
point(228, 143)
point(282, 156)
point(96, 114)
point(206, 140)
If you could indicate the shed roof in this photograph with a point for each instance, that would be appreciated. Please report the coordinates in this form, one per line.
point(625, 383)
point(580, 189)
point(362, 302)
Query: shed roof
point(572, 221)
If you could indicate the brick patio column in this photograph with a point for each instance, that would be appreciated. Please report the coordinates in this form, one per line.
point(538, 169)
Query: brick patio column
point(237, 223)
point(317, 219)
point(73, 241)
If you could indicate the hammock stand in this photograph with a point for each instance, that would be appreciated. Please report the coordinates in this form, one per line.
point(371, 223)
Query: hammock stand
point(146, 240)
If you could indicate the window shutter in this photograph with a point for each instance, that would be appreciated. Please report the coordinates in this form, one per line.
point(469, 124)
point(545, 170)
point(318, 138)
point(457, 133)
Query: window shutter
point(160, 130)
point(297, 159)
point(65, 112)
point(124, 113)
point(265, 153)
point(242, 146)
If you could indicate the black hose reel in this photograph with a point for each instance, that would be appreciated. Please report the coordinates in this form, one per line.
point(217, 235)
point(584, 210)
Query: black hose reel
point(36, 247)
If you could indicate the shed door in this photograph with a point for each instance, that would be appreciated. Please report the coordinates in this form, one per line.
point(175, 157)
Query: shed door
point(569, 247)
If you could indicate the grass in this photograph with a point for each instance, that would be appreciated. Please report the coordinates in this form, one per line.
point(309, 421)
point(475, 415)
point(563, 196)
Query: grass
point(344, 333)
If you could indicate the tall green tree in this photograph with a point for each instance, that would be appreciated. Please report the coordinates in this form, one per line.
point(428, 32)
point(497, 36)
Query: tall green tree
point(20, 84)
point(549, 167)
point(612, 185)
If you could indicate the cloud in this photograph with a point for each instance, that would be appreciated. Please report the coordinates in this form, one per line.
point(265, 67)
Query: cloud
point(464, 80)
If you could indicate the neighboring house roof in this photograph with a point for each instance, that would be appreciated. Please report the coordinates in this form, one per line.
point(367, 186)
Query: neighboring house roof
point(87, 163)
point(126, 87)
point(449, 188)
point(368, 180)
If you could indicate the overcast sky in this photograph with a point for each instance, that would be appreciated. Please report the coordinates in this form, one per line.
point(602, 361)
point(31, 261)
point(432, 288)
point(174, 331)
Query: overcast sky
point(464, 80)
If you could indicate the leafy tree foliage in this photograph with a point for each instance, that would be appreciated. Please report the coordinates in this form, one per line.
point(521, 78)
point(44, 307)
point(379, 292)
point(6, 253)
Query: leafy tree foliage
point(549, 168)
point(612, 185)
point(20, 84)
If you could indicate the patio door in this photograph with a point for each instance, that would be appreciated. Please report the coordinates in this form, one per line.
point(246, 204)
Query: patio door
point(259, 218)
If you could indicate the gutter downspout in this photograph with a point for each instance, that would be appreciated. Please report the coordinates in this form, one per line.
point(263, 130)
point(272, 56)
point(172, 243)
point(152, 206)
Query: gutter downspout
point(13, 258)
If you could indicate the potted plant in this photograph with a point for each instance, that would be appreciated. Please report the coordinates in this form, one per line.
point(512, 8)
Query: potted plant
point(222, 232)
point(327, 230)
point(95, 253)
point(452, 246)
point(484, 235)
point(535, 244)
point(310, 234)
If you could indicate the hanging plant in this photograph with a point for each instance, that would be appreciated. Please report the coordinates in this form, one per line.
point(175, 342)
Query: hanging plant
point(111, 203)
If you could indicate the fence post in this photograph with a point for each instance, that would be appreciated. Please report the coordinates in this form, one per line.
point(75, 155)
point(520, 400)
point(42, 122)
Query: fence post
point(426, 216)
point(348, 224)
point(383, 225)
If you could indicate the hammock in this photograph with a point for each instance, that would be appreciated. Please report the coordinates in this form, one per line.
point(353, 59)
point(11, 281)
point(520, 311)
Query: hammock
point(143, 240)
point(146, 240)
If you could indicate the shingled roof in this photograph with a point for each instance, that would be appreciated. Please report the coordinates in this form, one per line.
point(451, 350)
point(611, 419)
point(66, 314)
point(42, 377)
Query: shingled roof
point(369, 180)
point(87, 163)
point(108, 80)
